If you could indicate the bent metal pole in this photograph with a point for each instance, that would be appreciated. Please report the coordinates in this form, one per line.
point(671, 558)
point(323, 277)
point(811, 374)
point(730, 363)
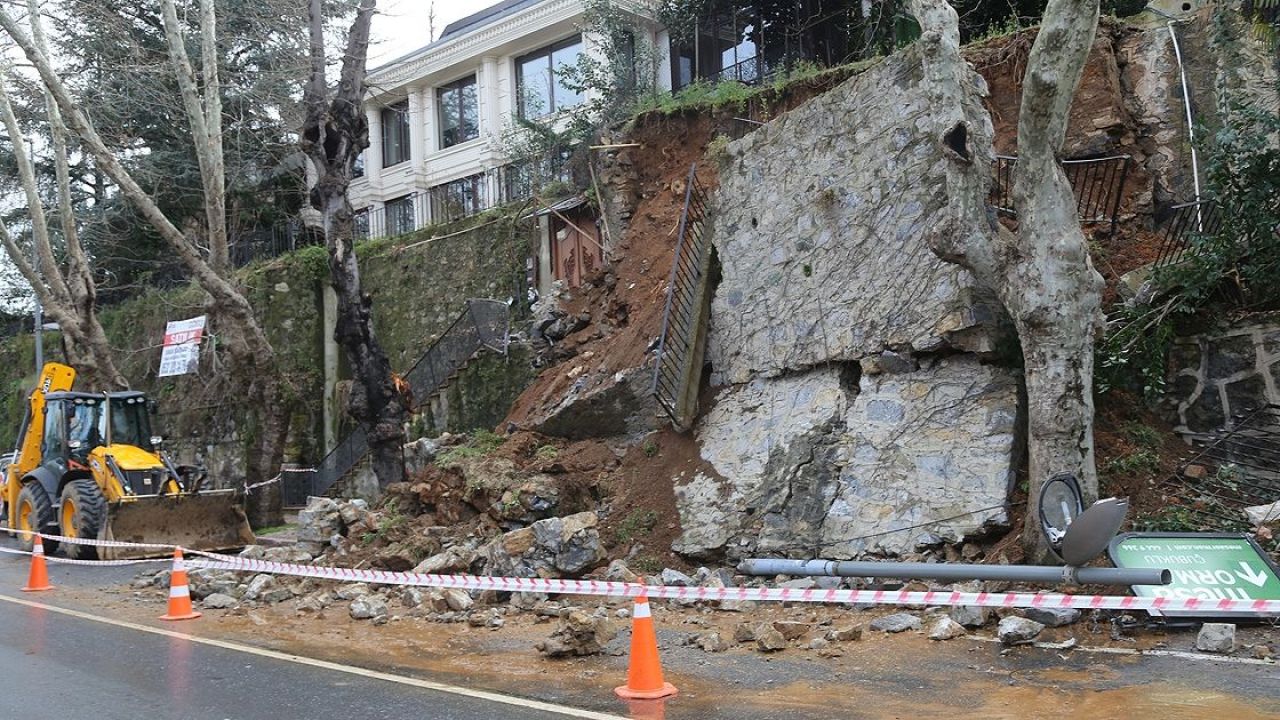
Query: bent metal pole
point(955, 572)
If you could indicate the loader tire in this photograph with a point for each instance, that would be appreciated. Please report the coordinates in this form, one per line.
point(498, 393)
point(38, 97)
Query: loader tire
point(35, 513)
point(81, 513)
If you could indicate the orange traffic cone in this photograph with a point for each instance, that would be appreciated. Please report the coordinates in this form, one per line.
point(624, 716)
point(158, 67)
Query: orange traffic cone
point(38, 580)
point(179, 593)
point(644, 675)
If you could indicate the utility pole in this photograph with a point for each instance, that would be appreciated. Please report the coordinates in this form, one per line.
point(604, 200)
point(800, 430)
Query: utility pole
point(39, 328)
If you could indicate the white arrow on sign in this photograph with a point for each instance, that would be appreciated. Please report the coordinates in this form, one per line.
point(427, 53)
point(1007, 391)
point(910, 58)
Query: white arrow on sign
point(1251, 575)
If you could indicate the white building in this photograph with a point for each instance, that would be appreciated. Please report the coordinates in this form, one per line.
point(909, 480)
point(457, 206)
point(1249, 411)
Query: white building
point(437, 116)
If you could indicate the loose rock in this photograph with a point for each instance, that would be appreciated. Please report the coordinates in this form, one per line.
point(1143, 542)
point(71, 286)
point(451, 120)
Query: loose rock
point(1216, 638)
point(368, 607)
point(579, 634)
point(944, 628)
point(219, 601)
point(791, 630)
point(845, 634)
point(896, 623)
point(1015, 630)
point(458, 600)
point(1053, 617)
point(770, 640)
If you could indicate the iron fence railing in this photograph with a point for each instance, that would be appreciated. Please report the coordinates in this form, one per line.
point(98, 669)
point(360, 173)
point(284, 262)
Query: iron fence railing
point(481, 324)
point(271, 242)
point(1182, 224)
point(1098, 184)
point(448, 202)
point(1236, 468)
point(683, 315)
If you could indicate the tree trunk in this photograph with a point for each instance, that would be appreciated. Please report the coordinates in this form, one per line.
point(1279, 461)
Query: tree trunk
point(252, 356)
point(1043, 274)
point(334, 134)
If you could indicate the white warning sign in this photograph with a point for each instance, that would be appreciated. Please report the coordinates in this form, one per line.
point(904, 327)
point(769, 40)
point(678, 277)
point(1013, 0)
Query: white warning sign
point(181, 354)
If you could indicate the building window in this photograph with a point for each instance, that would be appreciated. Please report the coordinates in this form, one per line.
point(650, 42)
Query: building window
point(357, 168)
point(458, 199)
point(400, 216)
point(541, 79)
point(395, 134)
point(459, 112)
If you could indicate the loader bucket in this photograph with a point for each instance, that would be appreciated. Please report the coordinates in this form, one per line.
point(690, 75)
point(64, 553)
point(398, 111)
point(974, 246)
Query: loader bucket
point(212, 520)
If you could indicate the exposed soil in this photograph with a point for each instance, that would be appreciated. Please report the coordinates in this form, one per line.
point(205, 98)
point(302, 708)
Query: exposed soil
point(629, 481)
point(1136, 450)
point(1101, 125)
point(625, 299)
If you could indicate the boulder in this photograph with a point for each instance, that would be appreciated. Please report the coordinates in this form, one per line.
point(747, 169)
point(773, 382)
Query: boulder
point(549, 548)
point(368, 607)
point(1052, 617)
point(619, 572)
point(457, 600)
point(896, 623)
point(944, 628)
point(852, 461)
point(823, 245)
point(971, 616)
point(578, 633)
point(712, 642)
point(769, 639)
point(1216, 638)
point(743, 633)
point(320, 520)
point(259, 585)
point(352, 591)
point(845, 634)
point(220, 601)
point(1014, 630)
point(456, 559)
point(675, 578)
point(792, 630)
point(419, 454)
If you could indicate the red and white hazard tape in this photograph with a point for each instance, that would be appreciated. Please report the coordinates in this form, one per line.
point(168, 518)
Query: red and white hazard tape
point(215, 561)
point(70, 561)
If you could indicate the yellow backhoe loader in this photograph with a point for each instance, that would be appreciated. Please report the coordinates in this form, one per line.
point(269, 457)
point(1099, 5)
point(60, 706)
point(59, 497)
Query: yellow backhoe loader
point(87, 466)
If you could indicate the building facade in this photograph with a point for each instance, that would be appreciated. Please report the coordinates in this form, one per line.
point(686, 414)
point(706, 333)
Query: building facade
point(439, 117)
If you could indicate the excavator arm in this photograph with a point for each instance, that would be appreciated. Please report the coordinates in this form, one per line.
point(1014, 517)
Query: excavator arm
point(54, 377)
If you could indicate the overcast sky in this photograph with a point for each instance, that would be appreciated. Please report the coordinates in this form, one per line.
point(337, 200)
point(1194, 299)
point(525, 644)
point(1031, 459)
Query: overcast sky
point(401, 25)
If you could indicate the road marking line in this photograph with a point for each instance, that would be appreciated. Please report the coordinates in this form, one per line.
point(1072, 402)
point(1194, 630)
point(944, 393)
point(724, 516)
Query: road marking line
point(326, 665)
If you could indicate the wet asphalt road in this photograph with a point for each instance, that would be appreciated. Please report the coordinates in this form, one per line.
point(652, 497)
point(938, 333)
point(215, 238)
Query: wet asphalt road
point(60, 667)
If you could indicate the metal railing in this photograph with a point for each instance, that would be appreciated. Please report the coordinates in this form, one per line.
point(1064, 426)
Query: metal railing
point(447, 202)
point(272, 242)
point(1238, 467)
point(1098, 184)
point(1184, 223)
point(678, 368)
point(482, 324)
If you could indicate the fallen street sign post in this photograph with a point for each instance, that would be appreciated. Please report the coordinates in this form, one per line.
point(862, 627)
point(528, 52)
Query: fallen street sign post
point(1205, 566)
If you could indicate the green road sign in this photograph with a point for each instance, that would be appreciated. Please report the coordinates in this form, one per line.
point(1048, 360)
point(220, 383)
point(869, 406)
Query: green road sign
point(1206, 566)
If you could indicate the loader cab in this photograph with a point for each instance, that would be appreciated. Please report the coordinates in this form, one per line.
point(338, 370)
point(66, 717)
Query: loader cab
point(127, 420)
point(73, 426)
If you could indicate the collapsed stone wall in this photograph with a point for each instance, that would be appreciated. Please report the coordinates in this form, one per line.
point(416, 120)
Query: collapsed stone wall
point(857, 394)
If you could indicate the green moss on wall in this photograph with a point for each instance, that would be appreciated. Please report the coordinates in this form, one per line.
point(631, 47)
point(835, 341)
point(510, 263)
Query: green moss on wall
point(419, 284)
point(483, 393)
